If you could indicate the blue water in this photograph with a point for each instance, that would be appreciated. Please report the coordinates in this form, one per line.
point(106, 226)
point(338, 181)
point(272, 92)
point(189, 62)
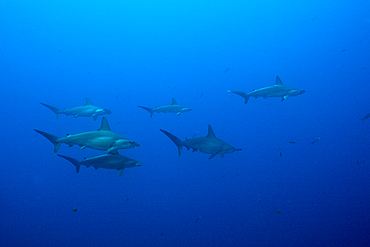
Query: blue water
point(122, 54)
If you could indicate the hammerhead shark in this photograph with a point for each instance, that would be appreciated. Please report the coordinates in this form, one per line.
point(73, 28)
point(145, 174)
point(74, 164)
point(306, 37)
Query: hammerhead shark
point(113, 160)
point(101, 139)
point(88, 110)
point(277, 90)
point(174, 108)
point(209, 144)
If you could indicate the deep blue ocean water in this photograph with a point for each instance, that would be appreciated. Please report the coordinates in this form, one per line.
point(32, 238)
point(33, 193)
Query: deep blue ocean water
point(122, 54)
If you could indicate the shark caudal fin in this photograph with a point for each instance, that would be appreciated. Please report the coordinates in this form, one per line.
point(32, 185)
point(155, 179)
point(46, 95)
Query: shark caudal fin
point(243, 94)
point(75, 162)
point(54, 109)
point(54, 139)
point(150, 110)
point(175, 139)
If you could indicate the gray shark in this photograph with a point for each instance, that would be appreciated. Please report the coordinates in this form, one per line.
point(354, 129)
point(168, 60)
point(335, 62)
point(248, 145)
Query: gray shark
point(174, 108)
point(101, 139)
point(209, 144)
point(88, 110)
point(277, 90)
point(112, 160)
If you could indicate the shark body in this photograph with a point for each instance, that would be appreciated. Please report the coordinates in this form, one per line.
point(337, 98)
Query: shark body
point(277, 90)
point(101, 139)
point(88, 110)
point(209, 144)
point(112, 160)
point(173, 108)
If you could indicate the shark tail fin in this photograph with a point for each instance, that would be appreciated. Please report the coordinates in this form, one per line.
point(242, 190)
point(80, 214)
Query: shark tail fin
point(75, 162)
point(54, 139)
point(242, 94)
point(54, 109)
point(175, 139)
point(150, 110)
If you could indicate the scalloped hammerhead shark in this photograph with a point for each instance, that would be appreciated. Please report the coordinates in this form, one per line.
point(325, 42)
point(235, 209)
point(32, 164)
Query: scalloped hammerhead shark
point(101, 139)
point(174, 108)
point(113, 160)
point(277, 90)
point(88, 110)
point(209, 144)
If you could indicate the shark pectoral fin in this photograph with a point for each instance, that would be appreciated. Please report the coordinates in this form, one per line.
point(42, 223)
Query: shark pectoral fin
point(95, 117)
point(285, 97)
point(83, 147)
point(58, 115)
point(111, 149)
point(213, 155)
point(265, 97)
point(75, 116)
point(178, 113)
point(222, 154)
point(120, 171)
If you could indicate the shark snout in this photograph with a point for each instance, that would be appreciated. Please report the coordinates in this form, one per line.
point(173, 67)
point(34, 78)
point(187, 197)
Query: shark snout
point(107, 111)
point(102, 111)
point(135, 144)
point(186, 109)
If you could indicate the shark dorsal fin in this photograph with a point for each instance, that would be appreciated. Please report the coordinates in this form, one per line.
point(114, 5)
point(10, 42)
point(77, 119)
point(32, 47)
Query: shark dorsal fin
point(104, 125)
point(88, 102)
point(278, 81)
point(174, 102)
point(210, 132)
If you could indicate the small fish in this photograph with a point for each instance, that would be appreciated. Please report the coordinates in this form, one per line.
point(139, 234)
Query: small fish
point(316, 140)
point(223, 175)
point(226, 70)
point(366, 117)
point(289, 201)
point(198, 219)
point(292, 142)
point(278, 211)
point(343, 50)
point(74, 210)
point(161, 234)
point(281, 154)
